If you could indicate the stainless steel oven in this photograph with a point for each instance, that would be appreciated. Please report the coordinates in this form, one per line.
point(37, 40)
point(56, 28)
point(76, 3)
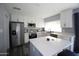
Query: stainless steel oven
point(32, 35)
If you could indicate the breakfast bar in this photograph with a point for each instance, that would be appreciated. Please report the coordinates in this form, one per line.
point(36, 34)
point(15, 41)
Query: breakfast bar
point(48, 46)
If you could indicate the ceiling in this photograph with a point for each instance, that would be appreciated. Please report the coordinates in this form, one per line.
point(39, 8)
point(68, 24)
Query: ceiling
point(38, 9)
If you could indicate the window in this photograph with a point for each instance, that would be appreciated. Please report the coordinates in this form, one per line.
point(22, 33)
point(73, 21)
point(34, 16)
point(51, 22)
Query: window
point(53, 26)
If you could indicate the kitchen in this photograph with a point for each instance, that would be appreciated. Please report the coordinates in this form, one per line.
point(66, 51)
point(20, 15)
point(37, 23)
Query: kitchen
point(47, 30)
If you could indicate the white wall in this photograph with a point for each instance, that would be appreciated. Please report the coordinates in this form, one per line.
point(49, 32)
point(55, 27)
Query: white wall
point(4, 30)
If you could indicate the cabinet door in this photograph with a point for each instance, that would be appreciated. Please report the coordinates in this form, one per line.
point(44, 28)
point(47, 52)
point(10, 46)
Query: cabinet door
point(66, 18)
point(63, 20)
point(26, 37)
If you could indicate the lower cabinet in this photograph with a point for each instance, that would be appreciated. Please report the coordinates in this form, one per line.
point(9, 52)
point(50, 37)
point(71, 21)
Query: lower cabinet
point(26, 37)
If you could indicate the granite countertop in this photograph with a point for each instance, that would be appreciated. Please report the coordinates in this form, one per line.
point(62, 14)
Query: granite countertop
point(51, 47)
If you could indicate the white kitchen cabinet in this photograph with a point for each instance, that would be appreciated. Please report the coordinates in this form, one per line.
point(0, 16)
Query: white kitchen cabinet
point(66, 18)
point(40, 22)
point(26, 37)
point(16, 18)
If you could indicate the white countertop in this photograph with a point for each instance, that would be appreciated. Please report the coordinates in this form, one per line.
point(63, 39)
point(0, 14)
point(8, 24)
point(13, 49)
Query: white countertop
point(49, 48)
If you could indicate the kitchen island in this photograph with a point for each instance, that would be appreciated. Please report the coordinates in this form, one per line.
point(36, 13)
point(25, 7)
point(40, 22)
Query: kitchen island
point(51, 47)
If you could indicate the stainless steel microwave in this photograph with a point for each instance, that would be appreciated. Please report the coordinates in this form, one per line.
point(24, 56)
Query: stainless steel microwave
point(31, 25)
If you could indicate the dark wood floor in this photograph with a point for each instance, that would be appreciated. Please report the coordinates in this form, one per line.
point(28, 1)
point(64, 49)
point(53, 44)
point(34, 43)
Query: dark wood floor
point(22, 50)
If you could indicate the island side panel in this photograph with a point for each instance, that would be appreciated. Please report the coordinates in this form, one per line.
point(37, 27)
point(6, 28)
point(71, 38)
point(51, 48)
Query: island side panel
point(34, 51)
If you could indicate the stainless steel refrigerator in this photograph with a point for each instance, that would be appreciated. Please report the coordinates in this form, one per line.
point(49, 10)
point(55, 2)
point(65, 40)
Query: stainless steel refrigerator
point(16, 37)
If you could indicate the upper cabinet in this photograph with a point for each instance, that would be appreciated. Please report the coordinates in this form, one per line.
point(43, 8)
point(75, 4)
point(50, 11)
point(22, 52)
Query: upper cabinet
point(67, 18)
point(19, 18)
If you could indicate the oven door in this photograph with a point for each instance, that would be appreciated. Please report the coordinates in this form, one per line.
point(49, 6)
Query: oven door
point(32, 35)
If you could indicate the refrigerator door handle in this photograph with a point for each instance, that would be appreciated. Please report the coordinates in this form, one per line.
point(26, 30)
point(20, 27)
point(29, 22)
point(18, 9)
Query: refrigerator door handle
point(18, 33)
